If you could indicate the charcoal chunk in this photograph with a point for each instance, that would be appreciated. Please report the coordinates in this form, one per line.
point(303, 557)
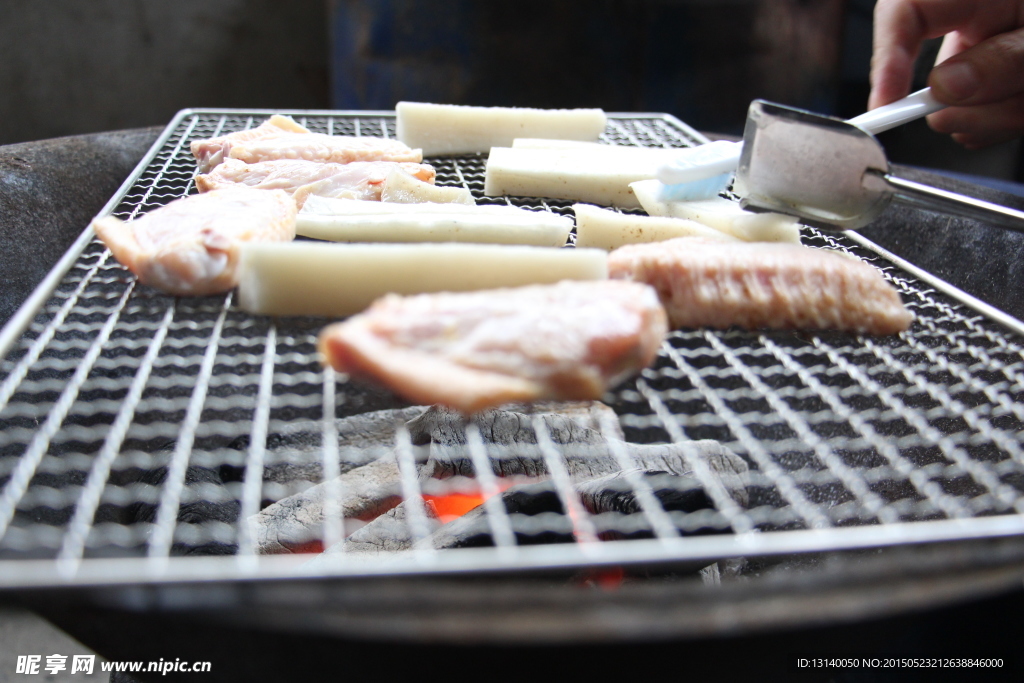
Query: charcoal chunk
point(293, 522)
point(566, 423)
point(389, 533)
point(295, 452)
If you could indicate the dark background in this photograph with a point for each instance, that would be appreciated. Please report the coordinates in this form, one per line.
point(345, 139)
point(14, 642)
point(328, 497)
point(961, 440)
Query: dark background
point(69, 67)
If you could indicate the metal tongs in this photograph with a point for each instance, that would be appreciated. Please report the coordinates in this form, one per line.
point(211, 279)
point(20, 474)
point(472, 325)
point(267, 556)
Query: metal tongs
point(832, 174)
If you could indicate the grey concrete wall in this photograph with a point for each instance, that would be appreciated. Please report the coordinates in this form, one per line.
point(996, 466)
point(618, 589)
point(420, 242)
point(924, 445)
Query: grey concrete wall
point(81, 66)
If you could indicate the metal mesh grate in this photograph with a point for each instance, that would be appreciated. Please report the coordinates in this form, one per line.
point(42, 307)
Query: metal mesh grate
point(136, 425)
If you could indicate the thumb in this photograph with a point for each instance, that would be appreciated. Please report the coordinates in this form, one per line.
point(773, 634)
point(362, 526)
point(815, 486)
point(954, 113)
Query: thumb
point(990, 71)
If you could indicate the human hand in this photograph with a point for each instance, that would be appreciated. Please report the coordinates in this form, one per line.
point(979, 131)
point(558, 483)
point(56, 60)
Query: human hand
point(980, 66)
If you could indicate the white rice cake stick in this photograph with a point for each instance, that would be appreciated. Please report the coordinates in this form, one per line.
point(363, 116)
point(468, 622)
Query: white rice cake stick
point(607, 229)
point(457, 129)
point(598, 175)
point(402, 187)
point(352, 220)
point(313, 278)
point(721, 214)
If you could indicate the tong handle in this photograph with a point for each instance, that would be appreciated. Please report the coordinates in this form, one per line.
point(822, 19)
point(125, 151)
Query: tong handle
point(928, 197)
point(902, 111)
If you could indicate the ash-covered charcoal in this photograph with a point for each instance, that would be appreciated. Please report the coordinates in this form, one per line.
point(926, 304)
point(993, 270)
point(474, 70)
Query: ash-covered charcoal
point(729, 469)
point(364, 493)
point(511, 443)
point(676, 491)
point(509, 434)
point(369, 490)
point(389, 533)
point(567, 422)
point(615, 493)
point(592, 456)
point(295, 451)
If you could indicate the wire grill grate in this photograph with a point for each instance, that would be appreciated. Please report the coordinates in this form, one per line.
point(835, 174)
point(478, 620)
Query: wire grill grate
point(137, 425)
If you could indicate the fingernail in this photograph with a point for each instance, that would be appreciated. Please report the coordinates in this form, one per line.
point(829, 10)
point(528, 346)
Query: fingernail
point(958, 80)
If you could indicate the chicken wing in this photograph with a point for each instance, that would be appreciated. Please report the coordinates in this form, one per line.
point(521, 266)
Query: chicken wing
point(338, 149)
point(210, 152)
point(475, 350)
point(300, 178)
point(190, 246)
point(762, 285)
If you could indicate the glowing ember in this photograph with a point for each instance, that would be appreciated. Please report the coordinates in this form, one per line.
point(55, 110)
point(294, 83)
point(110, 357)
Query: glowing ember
point(454, 505)
point(608, 578)
point(451, 506)
point(314, 546)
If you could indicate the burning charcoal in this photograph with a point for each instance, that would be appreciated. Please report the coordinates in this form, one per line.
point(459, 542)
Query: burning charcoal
point(602, 487)
point(511, 443)
point(674, 487)
point(670, 459)
point(675, 490)
point(472, 530)
point(293, 522)
point(388, 533)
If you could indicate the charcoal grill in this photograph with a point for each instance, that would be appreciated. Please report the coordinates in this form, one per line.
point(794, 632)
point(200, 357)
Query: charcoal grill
point(112, 393)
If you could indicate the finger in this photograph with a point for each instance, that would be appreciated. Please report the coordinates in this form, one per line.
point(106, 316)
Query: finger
point(987, 72)
point(901, 26)
point(981, 125)
point(896, 43)
point(952, 44)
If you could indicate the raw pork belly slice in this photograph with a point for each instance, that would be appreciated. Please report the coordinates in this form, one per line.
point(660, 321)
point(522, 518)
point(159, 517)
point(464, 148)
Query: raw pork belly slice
point(323, 148)
point(476, 350)
point(762, 285)
point(209, 153)
point(300, 178)
point(191, 246)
